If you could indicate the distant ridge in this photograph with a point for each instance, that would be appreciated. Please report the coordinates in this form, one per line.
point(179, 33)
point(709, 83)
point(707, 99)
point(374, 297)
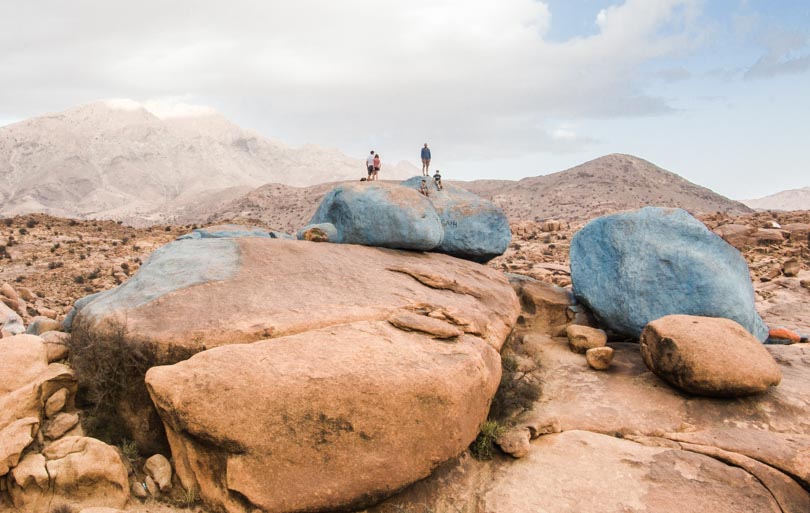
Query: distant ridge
point(601, 186)
point(605, 185)
point(793, 199)
point(120, 159)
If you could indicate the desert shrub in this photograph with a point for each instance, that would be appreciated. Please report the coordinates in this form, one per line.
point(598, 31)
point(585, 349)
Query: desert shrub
point(22, 231)
point(31, 223)
point(483, 448)
point(110, 364)
point(95, 274)
point(78, 279)
point(8, 221)
point(73, 222)
point(517, 391)
point(63, 508)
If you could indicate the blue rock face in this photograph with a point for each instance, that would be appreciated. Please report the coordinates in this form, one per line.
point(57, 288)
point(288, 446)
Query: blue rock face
point(384, 215)
point(633, 268)
point(474, 228)
point(226, 231)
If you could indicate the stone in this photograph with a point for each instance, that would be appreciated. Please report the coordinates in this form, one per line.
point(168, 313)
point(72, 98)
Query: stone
point(798, 231)
point(9, 292)
point(160, 470)
point(547, 308)
point(340, 284)
point(708, 356)
point(783, 336)
point(151, 486)
point(14, 438)
point(281, 235)
point(791, 267)
point(139, 490)
point(599, 358)
point(737, 235)
point(382, 215)
point(10, 321)
point(26, 294)
point(338, 405)
point(227, 231)
point(582, 338)
point(632, 268)
point(515, 442)
point(56, 402)
point(434, 327)
point(474, 228)
point(67, 322)
point(768, 236)
point(321, 232)
point(47, 312)
point(83, 472)
point(60, 424)
point(41, 324)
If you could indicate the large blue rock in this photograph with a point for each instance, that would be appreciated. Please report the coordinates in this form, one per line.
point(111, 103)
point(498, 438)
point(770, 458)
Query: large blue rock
point(380, 214)
point(227, 231)
point(474, 228)
point(635, 267)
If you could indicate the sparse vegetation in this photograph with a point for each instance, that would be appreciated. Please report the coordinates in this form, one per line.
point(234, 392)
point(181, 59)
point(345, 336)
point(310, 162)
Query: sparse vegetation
point(483, 448)
point(63, 508)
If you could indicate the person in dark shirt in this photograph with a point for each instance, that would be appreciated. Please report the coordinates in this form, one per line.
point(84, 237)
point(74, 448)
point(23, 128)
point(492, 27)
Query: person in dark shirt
point(438, 179)
point(425, 160)
point(424, 188)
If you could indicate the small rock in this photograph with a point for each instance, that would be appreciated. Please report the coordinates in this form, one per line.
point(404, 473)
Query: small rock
point(56, 402)
point(26, 294)
point(8, 291)
point(599, 358)
point(160, 470)
point(805, 283)
point(47, 312)
point(41, 324)
point(582, 338)
point(151, 486)
point(59, 425)
point(56, 352)
point(783, 336)
point(138, 490)
point(791, 267)
point(319, 232)
point(515, 442)
point(770, 275)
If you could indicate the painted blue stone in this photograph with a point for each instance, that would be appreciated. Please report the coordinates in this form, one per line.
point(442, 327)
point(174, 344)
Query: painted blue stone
point(281, 235)
point(384, 215)
point(635, 267)
point(175, 266)
point(225, 231)
point(67, 322)
point(328, 228)
point(474, 228)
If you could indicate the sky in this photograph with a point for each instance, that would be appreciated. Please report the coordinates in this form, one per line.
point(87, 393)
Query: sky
point(717, 91)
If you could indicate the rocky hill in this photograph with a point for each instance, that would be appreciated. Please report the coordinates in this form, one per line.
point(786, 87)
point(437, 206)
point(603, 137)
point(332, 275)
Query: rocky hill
point(793, 199)
point(608, 184)
point(117, 159)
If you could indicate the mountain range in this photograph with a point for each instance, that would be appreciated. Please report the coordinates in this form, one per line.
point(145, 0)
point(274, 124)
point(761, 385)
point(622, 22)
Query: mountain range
point(119, 159)
point(793, 199)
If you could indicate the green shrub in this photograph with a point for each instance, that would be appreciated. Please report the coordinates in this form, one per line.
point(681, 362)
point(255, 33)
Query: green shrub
point(483, 448)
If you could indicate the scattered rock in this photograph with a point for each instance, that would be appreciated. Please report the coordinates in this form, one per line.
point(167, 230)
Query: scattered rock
point(160, 470)
point(708, 356)
point(515, 442)
point(10, 321)
point(769, 236)
point(791, 267)
point(599, 358)
point(737, 235)
point(83, 472)
point(40, 325)
point(635, 267)
point(582, 338)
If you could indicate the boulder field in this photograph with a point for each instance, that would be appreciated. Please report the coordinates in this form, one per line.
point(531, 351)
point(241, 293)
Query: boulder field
point(319, 365)
point(636, 267)
point(452, 220)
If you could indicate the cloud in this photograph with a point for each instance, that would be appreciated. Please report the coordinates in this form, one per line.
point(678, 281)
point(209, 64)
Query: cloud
point(461, 73)
point(787, 52)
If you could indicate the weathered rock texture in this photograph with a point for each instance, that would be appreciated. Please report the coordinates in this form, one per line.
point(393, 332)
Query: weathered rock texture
point(373, 356)
point(635, 267)
point(708, 356)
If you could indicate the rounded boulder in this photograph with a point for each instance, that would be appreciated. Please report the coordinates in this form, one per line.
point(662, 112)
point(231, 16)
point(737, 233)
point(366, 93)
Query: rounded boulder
point(708, 356)
point(634, 267)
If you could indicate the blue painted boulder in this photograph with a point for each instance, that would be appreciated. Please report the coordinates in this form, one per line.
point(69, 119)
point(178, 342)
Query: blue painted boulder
point(474, 228)
point(380, 214)
point(636, 267)
point(226, 231)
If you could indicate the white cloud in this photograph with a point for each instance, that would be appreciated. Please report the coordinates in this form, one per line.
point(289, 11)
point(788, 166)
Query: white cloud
point(470, 75)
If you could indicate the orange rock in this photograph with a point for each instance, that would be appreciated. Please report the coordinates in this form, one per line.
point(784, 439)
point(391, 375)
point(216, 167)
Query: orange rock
point(785, 334)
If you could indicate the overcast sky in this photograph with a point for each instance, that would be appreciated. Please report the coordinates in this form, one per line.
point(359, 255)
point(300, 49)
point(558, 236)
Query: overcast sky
point(717, 90)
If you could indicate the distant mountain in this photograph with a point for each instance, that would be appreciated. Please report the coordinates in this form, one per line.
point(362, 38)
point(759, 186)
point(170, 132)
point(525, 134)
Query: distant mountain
point(793, 199)
point(118, 159)
point(608, 184)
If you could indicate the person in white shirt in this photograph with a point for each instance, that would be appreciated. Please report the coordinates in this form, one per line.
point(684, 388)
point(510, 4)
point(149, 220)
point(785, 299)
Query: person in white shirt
point(370, 164)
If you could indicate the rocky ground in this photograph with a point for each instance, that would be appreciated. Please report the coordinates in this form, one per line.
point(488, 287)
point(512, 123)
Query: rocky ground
point(561, 435)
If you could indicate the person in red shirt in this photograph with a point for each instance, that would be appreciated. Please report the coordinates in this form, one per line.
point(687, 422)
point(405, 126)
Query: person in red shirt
point(377, 166)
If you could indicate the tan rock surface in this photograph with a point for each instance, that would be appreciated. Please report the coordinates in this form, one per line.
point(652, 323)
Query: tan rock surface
point(160, 470)
point(336, 407)
point(14, 438)
point(708, 356)
point(599, 358)
point(582, 338)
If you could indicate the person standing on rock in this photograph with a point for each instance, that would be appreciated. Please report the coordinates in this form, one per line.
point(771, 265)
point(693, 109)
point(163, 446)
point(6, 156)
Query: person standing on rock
point(370, 164)
point(425, 160)
point(376, 165)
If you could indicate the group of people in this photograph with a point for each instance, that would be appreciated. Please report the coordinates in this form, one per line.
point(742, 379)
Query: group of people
point(373, 165)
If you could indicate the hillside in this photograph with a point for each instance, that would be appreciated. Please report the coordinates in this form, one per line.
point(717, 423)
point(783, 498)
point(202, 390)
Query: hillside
point(117, 159)
point(607, 184)
point(793, 199)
